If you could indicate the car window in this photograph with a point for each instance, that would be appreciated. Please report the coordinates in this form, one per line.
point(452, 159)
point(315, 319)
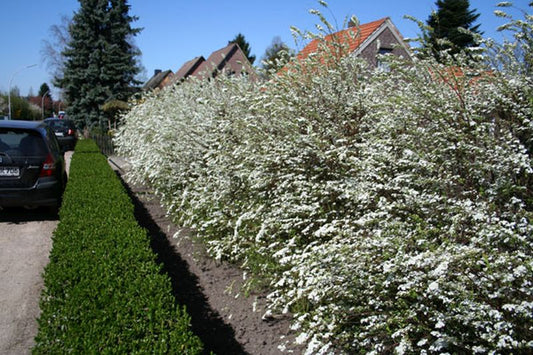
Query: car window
point(54, 144)
point(21, 142)
point(33, 145)
point(3, 146)
point(60, 124)
point(10, 139)
point(57, 124)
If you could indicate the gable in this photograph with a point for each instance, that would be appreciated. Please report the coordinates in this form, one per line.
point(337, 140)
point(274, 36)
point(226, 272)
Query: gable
point(160, 79)
point(364, 41)
point(188, 68)
point(386, 40)
point(230, 60)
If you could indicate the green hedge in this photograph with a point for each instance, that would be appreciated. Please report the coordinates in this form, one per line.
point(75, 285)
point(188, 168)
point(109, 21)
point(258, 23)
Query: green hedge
point(104, 291)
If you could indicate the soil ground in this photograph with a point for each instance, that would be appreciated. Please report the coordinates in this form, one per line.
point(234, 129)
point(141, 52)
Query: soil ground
point(227, 321)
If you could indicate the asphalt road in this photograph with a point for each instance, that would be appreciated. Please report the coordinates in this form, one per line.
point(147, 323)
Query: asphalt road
point(25, 243)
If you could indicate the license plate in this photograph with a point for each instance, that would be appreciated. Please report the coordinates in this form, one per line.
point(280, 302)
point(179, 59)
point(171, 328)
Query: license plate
point(12, 172)
point(59, 134)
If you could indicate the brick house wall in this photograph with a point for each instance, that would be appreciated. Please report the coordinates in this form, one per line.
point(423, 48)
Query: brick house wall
point(166, 81)
point(385, 40)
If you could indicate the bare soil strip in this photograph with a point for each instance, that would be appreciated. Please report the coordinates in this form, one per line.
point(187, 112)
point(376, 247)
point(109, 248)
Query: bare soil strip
point(225, 320)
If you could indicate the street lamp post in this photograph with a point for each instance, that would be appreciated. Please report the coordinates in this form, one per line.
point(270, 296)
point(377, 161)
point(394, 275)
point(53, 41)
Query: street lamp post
point(9, 87)
point(42, 103)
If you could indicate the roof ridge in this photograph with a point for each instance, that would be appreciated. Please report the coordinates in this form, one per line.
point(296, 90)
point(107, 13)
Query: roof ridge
point(363, 31)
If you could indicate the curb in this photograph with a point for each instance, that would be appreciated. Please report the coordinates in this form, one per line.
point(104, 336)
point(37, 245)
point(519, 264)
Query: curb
point(118, 164)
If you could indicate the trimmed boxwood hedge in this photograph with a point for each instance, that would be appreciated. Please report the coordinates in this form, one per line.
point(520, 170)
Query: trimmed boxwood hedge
point(104, 291)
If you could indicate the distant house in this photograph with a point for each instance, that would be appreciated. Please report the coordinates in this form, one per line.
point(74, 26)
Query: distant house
point(365, 41)
point(188, 69)
point(230, 60)
point(159, 80)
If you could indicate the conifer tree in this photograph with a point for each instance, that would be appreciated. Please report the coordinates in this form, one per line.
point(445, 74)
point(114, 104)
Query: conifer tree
point(46, 100)
point(245, 47)
point(100, 60)
point(44, 89)
point(445, 24)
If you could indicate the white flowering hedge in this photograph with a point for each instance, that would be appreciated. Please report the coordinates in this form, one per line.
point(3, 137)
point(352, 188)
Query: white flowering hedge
point(387, 211)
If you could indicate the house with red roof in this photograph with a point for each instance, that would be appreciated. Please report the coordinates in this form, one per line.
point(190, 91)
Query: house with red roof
point(188, 68)
point(229, 60)
point(365, 41)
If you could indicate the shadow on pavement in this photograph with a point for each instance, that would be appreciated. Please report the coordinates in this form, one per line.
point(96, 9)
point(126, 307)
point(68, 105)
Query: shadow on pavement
point(21, 215)
point(217, 336)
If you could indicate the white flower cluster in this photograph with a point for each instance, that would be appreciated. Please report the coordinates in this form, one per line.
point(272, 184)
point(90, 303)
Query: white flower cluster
point(387, 211)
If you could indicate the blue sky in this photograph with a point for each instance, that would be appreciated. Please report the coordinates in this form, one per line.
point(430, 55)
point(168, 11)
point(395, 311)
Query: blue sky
point(176, 31)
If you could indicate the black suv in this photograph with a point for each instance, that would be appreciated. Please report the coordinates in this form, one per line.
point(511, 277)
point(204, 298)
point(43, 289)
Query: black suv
point(65, 131)
point(32, 165)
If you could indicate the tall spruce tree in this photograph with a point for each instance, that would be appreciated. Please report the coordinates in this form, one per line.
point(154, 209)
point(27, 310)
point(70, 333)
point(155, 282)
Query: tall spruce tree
point(100, 59)
point(445, 22)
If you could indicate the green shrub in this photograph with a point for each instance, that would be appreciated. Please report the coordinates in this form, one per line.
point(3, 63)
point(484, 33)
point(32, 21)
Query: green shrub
point(104, 291)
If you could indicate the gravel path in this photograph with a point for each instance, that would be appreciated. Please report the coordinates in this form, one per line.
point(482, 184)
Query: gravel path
point(25, 243)
point(24, 249)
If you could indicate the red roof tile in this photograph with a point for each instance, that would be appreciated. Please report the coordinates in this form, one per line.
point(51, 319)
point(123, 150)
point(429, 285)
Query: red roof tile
point(353, 37)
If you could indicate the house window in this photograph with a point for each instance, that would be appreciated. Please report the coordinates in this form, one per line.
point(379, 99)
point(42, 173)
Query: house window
point(382, 64)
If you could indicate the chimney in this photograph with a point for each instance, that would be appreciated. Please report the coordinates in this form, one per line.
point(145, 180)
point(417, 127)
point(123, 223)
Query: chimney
point(157, 71)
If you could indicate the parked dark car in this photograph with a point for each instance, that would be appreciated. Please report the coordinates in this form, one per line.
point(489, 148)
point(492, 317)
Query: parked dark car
point(32, 165)
point(65, 131)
